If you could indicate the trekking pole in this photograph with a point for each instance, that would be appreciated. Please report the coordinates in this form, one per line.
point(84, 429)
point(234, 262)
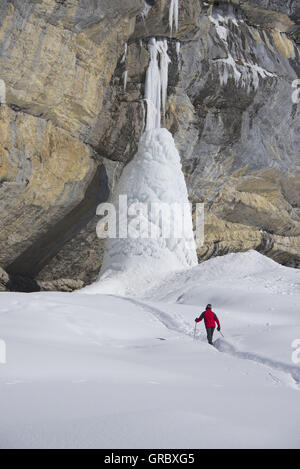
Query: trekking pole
point(221, 334)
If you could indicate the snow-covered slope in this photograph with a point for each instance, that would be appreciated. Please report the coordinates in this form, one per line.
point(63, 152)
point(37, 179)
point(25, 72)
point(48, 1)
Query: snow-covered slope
point(107, 371)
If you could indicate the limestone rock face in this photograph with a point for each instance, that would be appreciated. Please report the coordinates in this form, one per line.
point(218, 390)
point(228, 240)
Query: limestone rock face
point(65, 285)
point(56, 59)
point(238, 131)
point(44, 172)
point(4, 280)
point(74, 114)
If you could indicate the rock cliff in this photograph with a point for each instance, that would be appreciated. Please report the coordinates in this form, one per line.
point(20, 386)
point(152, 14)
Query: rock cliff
point(70, 123)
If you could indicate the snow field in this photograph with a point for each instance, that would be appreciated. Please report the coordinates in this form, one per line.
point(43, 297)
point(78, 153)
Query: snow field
point(88, 371)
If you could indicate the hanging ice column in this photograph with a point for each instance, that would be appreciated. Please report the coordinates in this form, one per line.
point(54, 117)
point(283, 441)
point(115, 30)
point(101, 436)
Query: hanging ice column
point(173, 14)
point(154, 230)
point(156, 85)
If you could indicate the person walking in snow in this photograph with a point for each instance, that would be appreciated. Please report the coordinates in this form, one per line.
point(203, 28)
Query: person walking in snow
point(210, 320)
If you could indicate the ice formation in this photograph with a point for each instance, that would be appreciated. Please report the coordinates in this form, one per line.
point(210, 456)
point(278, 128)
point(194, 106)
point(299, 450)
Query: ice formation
point(222, 31)
point(125, 77)
point(2, 92)
point(245, 74)
point(146, 10)
point(152, 180)
point(156, 84)
point(178, 48)
point(152, 232)
point(173, 14)
point(123, 60)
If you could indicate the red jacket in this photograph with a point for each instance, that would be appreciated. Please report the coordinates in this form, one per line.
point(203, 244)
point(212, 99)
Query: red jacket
point(210, 318)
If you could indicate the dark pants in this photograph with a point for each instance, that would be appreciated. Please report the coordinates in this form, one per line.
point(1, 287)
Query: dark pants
point(210, 332)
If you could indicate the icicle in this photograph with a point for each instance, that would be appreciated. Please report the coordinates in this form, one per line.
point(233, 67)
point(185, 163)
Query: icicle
point(123, 61)
point(153, 88)
point(222, 31)
point(164, 69)
point(125, 76)
point(146, 10)
point(173, 14)
point(156, 85)
point(125, 53)
point(245, 74)
point(178, 45)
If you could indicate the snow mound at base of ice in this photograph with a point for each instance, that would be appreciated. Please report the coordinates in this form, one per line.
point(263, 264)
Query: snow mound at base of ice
point(131, 266)
point(238, 265)
point(248, 272)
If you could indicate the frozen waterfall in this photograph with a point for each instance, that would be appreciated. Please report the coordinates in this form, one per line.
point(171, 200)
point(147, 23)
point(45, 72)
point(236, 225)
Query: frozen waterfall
point(156, 85)
point(148, 224)
point(153, 196)
point(173, 14)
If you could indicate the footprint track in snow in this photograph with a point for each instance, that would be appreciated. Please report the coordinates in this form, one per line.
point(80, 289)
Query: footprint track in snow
point(226, 347)
point(221, 344)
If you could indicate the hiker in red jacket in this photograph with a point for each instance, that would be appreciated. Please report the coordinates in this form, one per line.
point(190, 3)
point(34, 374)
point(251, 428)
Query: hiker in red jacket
point(210, 320)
